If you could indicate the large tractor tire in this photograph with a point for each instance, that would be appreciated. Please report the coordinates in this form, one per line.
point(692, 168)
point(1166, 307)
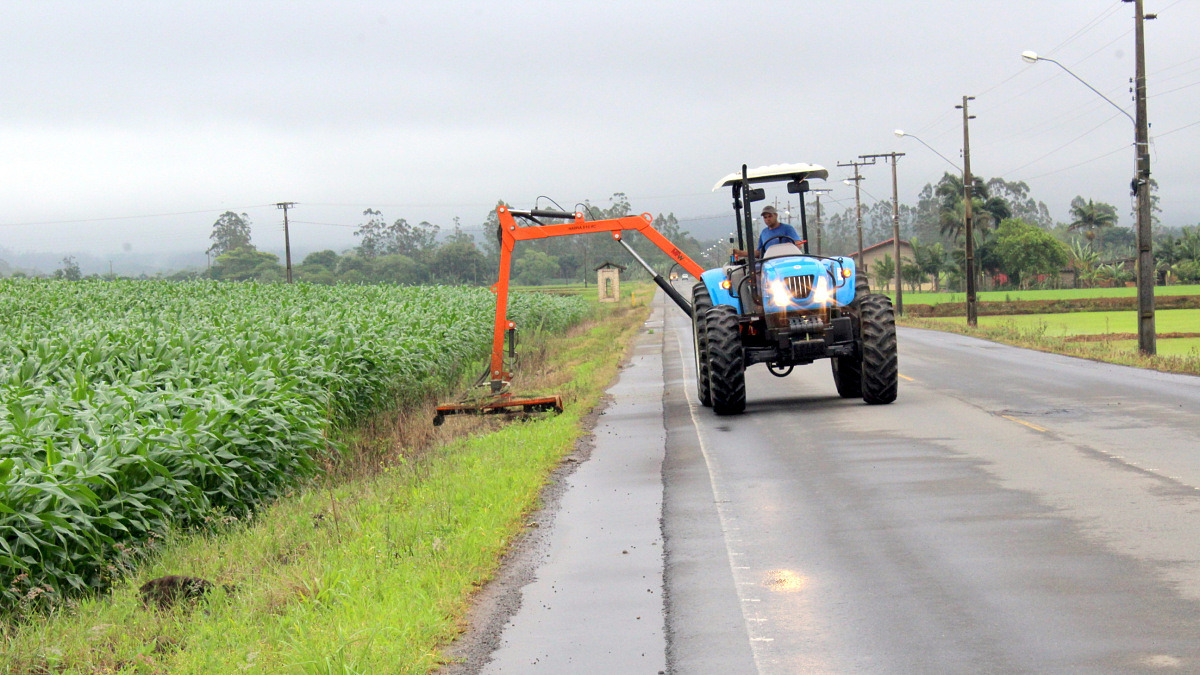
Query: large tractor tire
point(701, 303)
point(726, 365)
point(880, 368)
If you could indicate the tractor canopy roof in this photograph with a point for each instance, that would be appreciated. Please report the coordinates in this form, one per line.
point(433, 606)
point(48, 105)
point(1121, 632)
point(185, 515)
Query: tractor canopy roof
point(775, 172)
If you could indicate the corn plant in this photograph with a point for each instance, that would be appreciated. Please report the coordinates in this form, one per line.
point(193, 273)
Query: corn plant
point(128, 408)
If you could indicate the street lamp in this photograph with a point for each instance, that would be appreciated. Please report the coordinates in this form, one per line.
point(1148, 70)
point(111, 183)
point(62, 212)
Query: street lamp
point(1141, 182)
point(1032, 57)
point(900, 133)
point(972, 314)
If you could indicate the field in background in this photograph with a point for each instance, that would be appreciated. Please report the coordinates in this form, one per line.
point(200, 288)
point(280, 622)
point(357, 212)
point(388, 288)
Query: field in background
point(1061, 294)
point(1106, 324)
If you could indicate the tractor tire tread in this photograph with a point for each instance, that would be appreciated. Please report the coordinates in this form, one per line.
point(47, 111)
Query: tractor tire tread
point(880, 365)
point(726, 361)
point(701, 303)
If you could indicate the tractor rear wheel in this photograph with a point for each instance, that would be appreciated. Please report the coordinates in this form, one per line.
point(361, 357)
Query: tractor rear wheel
point(701, 303)
point(880, 368)
point(726, 364)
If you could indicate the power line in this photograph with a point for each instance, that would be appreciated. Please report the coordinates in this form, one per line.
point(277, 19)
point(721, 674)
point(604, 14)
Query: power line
point(1087, 161)
point(1168, 133)
point(1073, 140)
point(1172, 91)
point(1088, 26)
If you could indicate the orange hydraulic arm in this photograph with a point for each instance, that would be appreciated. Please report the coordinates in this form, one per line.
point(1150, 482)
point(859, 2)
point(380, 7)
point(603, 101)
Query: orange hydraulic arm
point(510, 234)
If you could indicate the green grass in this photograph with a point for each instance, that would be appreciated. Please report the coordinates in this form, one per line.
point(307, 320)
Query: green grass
point(1185, 347)
point(1061, 294)
point(371, 574)
point(1093, 323)
point(1177, 355)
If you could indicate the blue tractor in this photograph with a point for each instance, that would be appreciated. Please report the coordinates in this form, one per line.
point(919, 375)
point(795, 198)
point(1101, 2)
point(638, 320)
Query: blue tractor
point(787, 308)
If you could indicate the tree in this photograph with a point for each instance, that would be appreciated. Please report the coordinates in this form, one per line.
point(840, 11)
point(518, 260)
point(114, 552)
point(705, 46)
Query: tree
point(1023, 250)
point(327, 259)
point(535, 268)
point(69, 270)
point(932, 260)
point(396, 269)
point(380, 238)
point(986, 210)
point(912, 274)
point(883, 271)
point(1020, 204)
point(459, 262)
point(1090, 217)
point(1084, 260)
point(247, 264)
point(376, 237)
point(458, 235)
point(230, 232)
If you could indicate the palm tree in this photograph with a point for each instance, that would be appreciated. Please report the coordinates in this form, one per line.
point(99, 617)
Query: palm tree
point(932, 260)
point(1091, 216)
point(986, 211)
point(1084, 260)
point(982, 219)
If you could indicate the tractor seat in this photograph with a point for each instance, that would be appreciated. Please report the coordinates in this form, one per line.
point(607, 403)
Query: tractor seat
point(781, 250)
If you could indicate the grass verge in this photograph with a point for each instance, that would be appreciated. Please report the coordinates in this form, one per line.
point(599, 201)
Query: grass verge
point(371, 571)
point(1039, 336)
point(929, 298)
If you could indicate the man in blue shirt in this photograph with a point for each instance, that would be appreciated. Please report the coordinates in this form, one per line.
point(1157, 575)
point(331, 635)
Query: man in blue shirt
point(774, 231)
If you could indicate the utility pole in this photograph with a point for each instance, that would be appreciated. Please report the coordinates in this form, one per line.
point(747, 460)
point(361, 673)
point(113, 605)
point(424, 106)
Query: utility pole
point(968, 229)
point(895, 157)
point(858, 207)
point(287, 240)
point(817, 221)
point(1141, 188)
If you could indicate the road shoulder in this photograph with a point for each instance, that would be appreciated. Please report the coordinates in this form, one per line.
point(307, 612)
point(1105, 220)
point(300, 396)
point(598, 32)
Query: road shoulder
point(581, 589)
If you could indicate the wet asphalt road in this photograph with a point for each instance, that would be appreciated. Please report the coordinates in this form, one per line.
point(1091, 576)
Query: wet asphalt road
point(1012, 512)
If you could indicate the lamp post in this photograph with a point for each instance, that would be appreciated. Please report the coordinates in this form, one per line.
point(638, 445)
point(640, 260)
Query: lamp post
point(1141, 181)
point(895, 157)
point(817, 192)
point(972, 314)
point(902, 134)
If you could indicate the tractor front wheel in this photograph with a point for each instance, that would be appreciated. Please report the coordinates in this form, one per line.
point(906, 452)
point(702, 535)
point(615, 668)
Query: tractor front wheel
point(880, 368)
point(847, 375)
point(701, 303)
point(726, 364)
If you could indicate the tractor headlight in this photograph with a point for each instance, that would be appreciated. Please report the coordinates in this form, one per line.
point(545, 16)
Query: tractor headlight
point(780, 297)
point(821, 294)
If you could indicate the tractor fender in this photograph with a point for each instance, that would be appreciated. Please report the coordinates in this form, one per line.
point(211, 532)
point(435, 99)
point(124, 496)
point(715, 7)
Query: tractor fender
point(716, 290)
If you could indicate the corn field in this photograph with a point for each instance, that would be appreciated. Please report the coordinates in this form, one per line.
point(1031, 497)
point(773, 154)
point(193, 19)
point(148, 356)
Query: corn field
point(129, 408)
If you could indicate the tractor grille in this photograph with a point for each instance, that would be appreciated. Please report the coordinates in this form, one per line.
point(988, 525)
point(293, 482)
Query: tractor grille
point(800, 287)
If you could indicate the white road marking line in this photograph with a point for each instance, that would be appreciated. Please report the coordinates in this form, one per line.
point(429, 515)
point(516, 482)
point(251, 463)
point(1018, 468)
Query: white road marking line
point(725, 518)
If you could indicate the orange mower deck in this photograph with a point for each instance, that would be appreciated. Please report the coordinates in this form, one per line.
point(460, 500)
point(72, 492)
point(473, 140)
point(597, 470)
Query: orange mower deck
point(503, 405)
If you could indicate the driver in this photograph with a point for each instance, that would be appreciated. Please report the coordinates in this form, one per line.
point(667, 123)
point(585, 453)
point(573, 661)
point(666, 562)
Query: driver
point(773, 228)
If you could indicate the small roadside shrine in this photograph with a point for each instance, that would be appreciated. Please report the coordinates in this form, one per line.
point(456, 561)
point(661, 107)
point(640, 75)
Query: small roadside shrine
point(608, 281)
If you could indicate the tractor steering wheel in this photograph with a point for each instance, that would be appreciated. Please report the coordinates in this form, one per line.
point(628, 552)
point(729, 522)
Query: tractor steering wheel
point(783, 239)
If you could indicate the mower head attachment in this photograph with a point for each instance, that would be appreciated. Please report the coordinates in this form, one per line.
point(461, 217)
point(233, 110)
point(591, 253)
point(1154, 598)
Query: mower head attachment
point(504, 404)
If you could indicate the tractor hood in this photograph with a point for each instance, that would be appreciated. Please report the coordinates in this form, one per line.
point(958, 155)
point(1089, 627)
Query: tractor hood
point(775, 172)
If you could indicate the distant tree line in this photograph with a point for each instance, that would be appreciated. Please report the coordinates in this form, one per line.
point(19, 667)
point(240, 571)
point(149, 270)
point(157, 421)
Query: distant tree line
point(1017, 243)
point(403, 253)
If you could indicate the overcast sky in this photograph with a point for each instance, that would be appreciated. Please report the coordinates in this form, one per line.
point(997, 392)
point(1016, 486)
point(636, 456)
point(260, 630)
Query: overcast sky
point(133, 125)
